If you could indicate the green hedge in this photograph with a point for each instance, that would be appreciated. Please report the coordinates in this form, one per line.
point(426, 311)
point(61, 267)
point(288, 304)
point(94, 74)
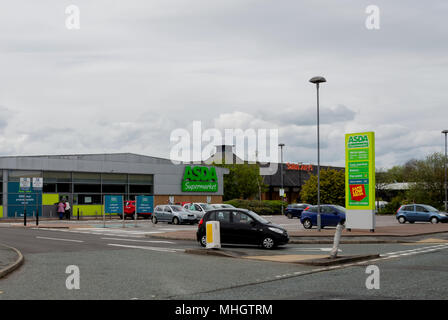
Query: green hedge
point(265, 207)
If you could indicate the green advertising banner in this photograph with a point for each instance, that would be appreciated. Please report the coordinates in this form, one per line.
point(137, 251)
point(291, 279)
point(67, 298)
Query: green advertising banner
point(360, 171)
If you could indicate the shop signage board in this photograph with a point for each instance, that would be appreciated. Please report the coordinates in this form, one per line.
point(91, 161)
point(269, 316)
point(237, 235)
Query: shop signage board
point(144, 204)
point(23, 195)
point(200, 179)
point(113, 204)
point(360, 180)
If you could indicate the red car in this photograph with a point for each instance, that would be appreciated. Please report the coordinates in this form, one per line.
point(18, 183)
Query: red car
point(129, 211)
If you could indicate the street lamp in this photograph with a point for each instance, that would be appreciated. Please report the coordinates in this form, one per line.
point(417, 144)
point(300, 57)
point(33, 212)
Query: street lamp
point(281, 145)
point(446, 197)
point(318, 80)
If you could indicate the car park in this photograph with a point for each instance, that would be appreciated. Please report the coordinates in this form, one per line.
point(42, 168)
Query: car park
point(174, 214)
point(420, 213)
point(198, 208)
point(295, 210)
point(241, 226)
point(330, 215)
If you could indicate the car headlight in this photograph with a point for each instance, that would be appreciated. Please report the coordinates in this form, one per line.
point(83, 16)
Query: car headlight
point(442, 214)
point(276, 230)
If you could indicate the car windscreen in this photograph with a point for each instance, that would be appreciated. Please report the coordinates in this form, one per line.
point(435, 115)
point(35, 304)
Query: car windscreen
point(206, 206)
point(258, 218)
point(340, 208)
point(177, 208)
point(430, 209)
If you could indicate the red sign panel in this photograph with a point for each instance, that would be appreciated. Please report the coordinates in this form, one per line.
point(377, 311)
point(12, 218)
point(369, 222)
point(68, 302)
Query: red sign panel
point(357, 192)
point(299, 167)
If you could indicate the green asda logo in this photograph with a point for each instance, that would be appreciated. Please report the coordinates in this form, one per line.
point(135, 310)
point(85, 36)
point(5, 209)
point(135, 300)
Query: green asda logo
point(200, 179)
point(361, 141)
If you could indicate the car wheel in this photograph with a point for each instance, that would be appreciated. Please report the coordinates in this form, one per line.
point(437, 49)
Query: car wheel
point(154, 219)
point(268, 243)
point(175, 220)
point(203, 241)
point(289, 216)
point(434, 220)
point(120, 216)
point(307, 224)
point(402, 220)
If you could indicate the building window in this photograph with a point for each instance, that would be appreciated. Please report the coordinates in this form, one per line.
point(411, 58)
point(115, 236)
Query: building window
point(87, 188)
point(140, 189)
point(114, 188)
point(56, 176)
point(112, 178)
point(15, 175)
point(84, 177)
point(141, 179)
point(87, 199)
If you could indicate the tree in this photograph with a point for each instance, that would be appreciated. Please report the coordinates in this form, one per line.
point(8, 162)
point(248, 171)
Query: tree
point(429, 178)
point(242, 182)
point(332, 188)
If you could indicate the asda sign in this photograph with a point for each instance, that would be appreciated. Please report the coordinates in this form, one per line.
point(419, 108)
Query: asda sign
point(200, 179)
point(359, 141)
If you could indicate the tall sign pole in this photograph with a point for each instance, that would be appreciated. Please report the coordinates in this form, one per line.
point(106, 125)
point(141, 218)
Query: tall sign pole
point(360, 180)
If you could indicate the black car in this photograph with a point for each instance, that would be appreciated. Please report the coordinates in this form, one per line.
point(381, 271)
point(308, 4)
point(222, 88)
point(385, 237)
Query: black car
point(241, 226)
point(295, 210)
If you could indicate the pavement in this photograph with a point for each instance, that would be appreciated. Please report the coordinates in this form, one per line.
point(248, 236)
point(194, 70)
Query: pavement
point(10, 259)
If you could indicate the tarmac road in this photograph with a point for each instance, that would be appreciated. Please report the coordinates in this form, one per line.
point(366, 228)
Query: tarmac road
point(122, 267)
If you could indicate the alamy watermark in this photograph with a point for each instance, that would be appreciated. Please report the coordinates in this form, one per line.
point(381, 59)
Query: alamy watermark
point(73, 280)
point(373, 18)
point(72, 21)
point(373, 280)
point(256, 146)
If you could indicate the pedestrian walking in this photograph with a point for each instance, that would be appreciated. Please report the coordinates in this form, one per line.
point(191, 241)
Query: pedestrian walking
point(61, 209)
point(67, 210)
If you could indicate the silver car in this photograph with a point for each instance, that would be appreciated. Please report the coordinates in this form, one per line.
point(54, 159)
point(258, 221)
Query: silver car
point(174, 214)
point(199, 209)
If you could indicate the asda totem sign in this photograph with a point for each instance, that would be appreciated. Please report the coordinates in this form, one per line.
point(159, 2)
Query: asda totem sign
point(200, 179)
point(360, 180)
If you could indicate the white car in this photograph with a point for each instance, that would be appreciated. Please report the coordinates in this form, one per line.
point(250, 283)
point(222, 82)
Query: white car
point(198, 208)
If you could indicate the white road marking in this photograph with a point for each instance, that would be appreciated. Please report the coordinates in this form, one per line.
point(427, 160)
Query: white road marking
point(316, 249)
point(147, 248)
point(59, 239)
point(135, 240)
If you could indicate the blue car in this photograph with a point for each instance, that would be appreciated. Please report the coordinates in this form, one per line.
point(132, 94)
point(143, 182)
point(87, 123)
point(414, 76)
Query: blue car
point(330, 215)
point(295, 210)
point(420, 212)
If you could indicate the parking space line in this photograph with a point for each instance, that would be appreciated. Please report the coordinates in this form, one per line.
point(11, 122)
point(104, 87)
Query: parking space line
point(147, 248)
point(135, 240)
point(59, 239)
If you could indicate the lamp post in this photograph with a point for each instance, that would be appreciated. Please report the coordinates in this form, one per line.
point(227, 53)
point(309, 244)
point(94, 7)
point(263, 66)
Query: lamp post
point(317, 81)
point(446, 197)
point(281, 145)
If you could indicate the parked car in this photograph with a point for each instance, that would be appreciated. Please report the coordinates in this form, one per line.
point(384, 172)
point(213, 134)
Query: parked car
point(199, 209)
point(222, 206)
point(330, 215)
point(295, 210)
point(420, 212)
point(241, 226)
point(174, 214)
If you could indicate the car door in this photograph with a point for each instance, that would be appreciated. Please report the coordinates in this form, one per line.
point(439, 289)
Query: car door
point(410, 213)
point(244, 228)
point(421, 214)
point(329, 216)
point(225, 226)
point(167, 213)
point(159, 213)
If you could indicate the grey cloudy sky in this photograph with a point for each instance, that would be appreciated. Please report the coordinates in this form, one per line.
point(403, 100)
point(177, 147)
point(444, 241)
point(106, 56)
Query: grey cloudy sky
point(138, 69)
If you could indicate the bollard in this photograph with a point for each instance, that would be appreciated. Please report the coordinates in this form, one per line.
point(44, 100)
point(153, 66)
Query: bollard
point(37, 217)
point(337, 238)
point(15, 215)
point(78, 213)
point(24, 217)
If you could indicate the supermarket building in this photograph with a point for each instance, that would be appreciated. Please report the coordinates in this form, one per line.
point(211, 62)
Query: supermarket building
point(85, 179)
